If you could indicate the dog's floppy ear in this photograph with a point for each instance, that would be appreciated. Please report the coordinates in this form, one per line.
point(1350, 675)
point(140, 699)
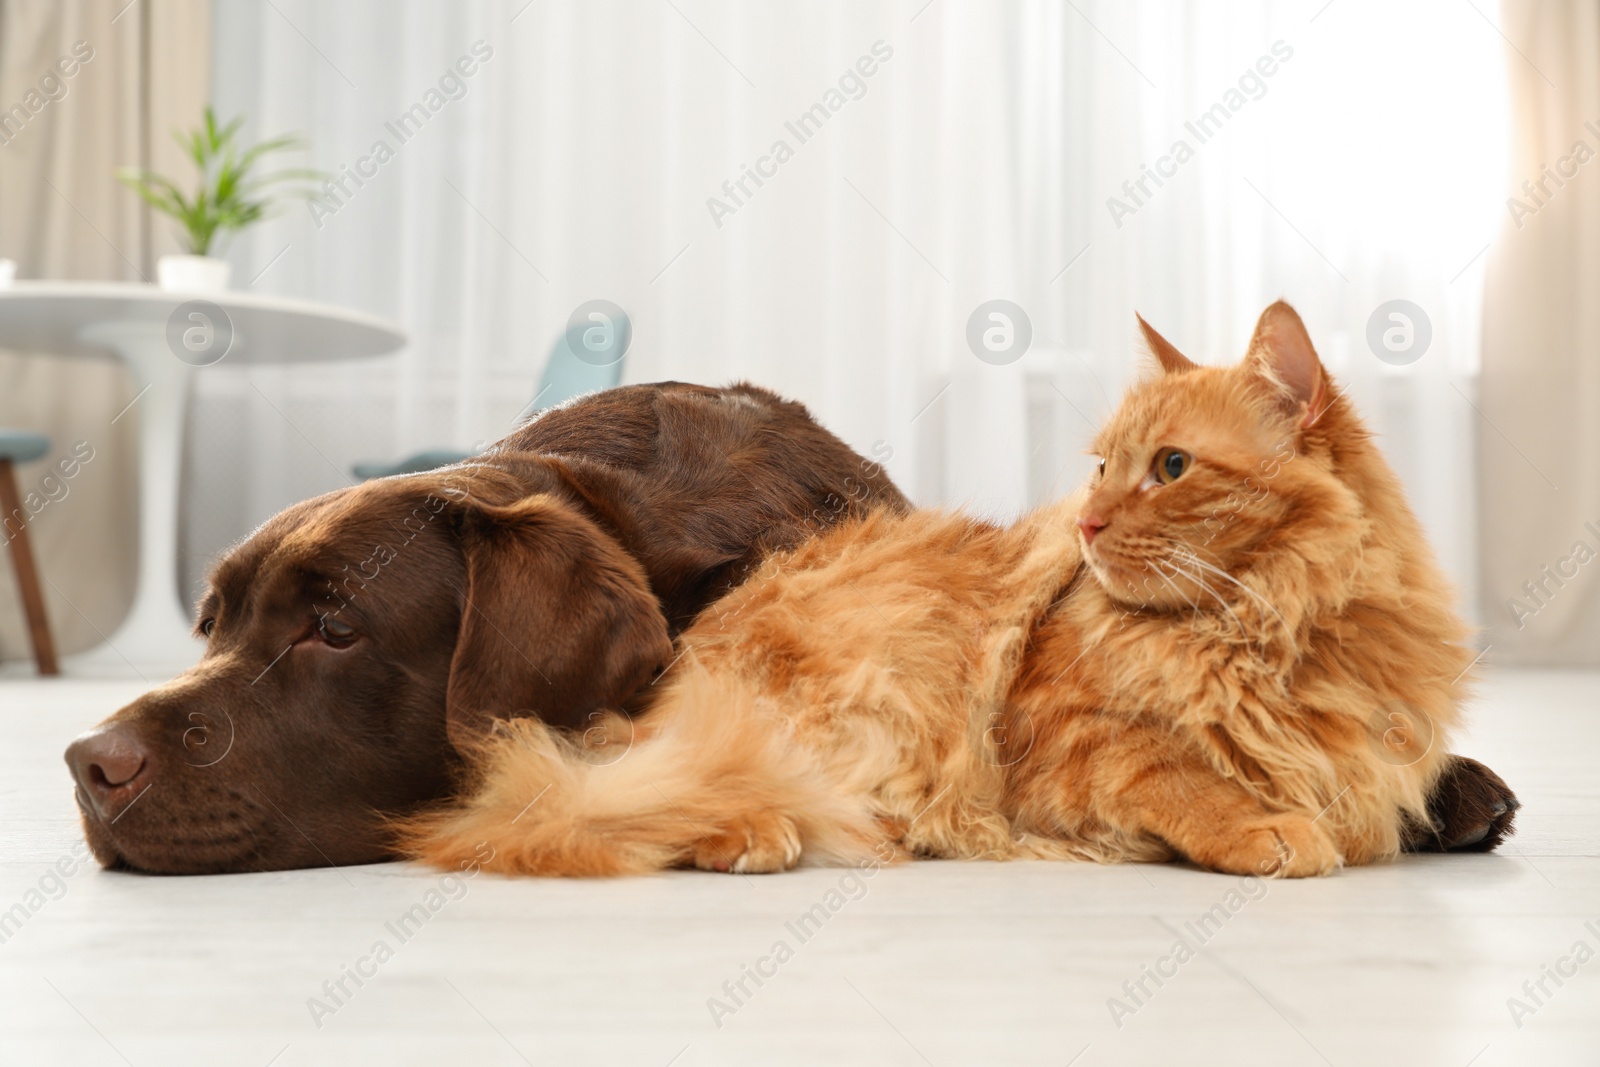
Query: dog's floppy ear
point(557, 620)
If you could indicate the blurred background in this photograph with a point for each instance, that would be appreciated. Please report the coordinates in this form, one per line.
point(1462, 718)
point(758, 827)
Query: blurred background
point(1413, 177)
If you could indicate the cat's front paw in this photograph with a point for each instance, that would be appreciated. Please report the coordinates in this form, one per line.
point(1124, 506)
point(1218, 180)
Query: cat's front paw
point(1275, 846)
point(751, 844)
point(1471, 807)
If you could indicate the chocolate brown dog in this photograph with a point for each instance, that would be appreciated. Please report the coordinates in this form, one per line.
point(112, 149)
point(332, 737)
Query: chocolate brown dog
point(357, 642)
point(354, 641)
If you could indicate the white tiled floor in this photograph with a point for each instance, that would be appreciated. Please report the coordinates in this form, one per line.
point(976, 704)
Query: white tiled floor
point(1410, 963)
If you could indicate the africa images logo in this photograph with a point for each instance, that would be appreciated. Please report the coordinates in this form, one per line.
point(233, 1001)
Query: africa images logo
point(199, 332)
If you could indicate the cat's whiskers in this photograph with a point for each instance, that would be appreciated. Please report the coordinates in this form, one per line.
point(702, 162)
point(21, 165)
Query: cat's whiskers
point(1194, 558)
point(1203, 584)
point(1160, 574)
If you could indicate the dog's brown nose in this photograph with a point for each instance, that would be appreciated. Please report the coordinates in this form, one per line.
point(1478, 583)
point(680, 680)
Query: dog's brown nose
point(112, 767)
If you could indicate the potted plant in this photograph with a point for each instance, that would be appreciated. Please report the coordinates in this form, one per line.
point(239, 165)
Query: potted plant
point(230, 196)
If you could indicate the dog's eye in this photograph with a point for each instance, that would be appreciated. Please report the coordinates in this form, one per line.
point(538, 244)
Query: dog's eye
point(206, 626)
point(334, 632)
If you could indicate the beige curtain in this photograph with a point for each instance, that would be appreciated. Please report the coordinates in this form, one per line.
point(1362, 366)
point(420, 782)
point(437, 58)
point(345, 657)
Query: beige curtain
point(1539, 438)
point(137, 72)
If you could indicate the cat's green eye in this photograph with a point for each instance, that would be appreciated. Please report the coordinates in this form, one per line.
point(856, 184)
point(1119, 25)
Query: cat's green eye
point(1170, 465)
point(1102, 466)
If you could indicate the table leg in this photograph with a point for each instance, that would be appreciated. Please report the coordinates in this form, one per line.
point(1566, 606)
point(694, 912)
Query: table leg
point(156, 638)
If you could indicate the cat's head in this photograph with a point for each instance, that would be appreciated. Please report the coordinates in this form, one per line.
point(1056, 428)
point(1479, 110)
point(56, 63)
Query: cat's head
point(1205, 471)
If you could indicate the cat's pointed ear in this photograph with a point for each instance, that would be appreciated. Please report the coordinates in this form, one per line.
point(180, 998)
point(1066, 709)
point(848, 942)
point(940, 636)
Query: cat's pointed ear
point(1172, 361)
point(1281, 352)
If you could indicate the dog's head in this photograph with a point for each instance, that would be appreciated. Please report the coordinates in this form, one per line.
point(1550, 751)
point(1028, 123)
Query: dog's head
point(356, 646)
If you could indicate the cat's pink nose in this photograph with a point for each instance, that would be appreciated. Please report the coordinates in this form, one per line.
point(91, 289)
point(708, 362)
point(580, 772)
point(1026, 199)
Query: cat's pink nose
point(1090, 525)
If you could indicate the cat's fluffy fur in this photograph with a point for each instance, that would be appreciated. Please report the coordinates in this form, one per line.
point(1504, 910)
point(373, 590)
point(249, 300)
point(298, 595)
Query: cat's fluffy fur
point(1254, 666)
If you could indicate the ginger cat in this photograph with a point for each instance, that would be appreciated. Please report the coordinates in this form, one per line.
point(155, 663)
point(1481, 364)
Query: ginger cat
point(1232, 646)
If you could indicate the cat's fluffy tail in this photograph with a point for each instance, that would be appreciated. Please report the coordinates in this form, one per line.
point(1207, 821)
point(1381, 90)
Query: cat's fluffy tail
point(705, 756)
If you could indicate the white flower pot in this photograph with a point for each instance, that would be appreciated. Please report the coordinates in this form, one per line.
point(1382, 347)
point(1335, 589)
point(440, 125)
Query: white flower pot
point(8, 272)
point(192, 274)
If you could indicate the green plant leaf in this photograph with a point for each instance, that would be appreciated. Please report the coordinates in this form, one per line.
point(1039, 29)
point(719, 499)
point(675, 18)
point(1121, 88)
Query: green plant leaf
point(229, 197)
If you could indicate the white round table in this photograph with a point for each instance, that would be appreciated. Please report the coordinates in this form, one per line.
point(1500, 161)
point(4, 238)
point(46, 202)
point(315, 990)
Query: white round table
point(143, 325)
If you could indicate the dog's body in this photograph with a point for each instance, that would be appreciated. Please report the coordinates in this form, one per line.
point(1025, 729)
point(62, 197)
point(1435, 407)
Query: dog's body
point(353, 638)
point(701, 484)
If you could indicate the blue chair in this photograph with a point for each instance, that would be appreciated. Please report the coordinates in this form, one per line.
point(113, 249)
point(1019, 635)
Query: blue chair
point(565, 376)
point(20, 446)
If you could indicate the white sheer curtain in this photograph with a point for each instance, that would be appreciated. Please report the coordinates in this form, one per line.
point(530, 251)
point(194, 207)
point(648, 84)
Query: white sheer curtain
point(1540, 470)
point(976, 164)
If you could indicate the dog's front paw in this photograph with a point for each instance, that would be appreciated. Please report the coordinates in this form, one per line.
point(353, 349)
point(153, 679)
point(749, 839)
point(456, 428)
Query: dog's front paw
point(751, 844)
point(1472, 810)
